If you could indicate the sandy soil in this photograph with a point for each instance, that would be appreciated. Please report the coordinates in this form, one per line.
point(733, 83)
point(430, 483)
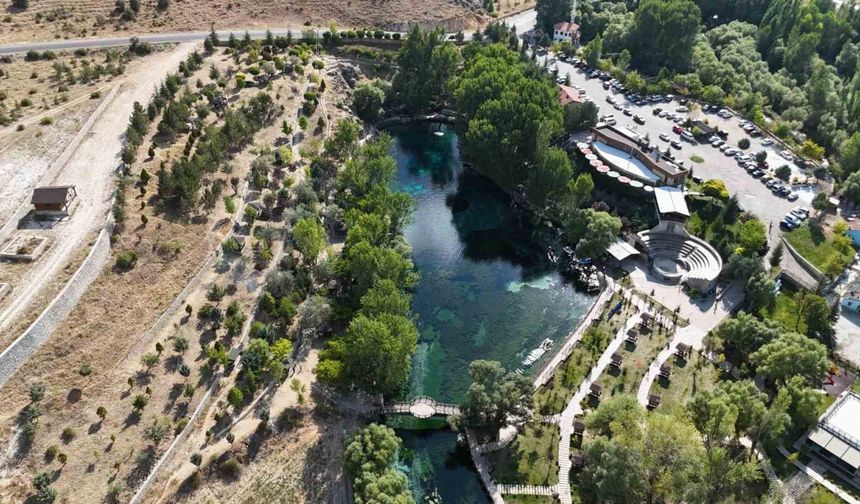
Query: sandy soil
point(85, 18)
point(90, 167)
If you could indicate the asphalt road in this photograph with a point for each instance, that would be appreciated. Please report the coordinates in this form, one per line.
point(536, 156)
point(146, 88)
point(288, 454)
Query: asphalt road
point(752, 194)
point(523, 22)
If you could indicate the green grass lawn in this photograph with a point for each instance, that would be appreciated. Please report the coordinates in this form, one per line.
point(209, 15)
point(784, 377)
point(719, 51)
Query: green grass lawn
point(815, 245)
point(786, 311)
point(531, 459)
point(697, 159)
point(688, 379)
point(636, 360)
point(819, 495)
point(553, 397)
point(530, 499)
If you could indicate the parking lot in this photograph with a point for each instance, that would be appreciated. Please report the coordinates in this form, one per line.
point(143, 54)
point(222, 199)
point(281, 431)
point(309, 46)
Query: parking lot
point(751, 192)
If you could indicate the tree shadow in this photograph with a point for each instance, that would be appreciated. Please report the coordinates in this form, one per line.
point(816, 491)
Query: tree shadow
point(94, 427)
point(172, 363)
point(74, 395)
point(132, 419)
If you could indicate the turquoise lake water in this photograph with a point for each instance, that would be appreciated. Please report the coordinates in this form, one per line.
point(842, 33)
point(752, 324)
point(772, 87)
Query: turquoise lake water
point(487, 291)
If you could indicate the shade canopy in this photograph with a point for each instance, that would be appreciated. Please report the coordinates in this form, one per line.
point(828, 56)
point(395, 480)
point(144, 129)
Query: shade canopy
point(602, 169)
point(614, 174)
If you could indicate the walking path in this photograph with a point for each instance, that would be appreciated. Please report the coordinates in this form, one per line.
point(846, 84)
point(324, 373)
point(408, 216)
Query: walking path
point(573, 409)
point(796, 486)
point(689, 335)
point(527, 490)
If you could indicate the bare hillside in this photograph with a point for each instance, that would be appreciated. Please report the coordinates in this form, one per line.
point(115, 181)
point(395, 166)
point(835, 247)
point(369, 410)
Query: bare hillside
point(47, 19)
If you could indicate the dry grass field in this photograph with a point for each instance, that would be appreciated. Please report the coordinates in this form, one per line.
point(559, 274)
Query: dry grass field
point(49, 19)
point(88, 361)
point(33, 91)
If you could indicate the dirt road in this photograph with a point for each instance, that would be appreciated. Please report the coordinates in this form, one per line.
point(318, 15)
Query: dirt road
point(90, 167)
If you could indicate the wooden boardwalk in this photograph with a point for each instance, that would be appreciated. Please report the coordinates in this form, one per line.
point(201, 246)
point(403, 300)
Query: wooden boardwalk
point(419, 407)
point(527, 490)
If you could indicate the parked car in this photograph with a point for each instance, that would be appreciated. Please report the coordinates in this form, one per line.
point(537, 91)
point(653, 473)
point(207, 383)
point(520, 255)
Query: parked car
point(717, 143)
point(787, 155)
point(664, 137)
point(766, 142)
point(731, 151)
point(627, 112)
point(663, 113)
point(792, 196)
point(676, 144)
point(800, 213)
point(656, 111)
point(617, 106)
point(725, 114)
point(677, 129)
point(610, 100)
point(792, 219)
point(686, 135)
point(757, 173)
point(682, 110)
point(638, 119)
point(786, 224)
point(605, 85)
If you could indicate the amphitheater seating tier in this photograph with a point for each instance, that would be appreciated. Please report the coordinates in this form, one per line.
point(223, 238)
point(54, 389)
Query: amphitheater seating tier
point(702, 260)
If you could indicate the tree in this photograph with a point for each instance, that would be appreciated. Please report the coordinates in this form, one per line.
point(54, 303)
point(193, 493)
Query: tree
point(180, 344)
point(818, 316)
point(368, 99)
point(373, 448)
point(378, 351)
point(714, 415)
point(760, 293)
point(344, 140)
point(744, 143)
point(812, 150)
point(752, 237)
point(494, 395)
point(309, 238)
point(715, 188)
point(282, 349)
point(140, 401)
point(663, 33)
point(850, 154)
point(425, 62)
point(369, 459)
point(235, 397)
point(851, 188)
point(783, 172)
point(580, 116)
point(580, 190)
point(547, 181)
point(593, 51)
point(550, 12)
point(790, 355)
point(776, 254)
point(601, 229)
point(385, 298)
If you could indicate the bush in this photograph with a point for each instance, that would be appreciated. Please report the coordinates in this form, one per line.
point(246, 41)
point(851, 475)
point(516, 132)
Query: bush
point(783, 172)
point(229, 205)
point(230, 468)
point(318, 64)
point(126, 260)
point(68, 434)
point(744, 143)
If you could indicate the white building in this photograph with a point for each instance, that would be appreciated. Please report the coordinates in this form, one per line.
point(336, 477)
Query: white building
point(565, 32)
point(836, 440)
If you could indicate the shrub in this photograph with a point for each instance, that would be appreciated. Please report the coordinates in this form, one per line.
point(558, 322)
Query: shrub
point(68, 434)
point(744, 143)
point(230, 468)
point(85, 370)
point(229, 205)
point(783, 172)
point(46, 121)
point(318, 64)
point(303, 123)
point(51, 453)
point(126, 260)
point(235, 397)
point(140, 401)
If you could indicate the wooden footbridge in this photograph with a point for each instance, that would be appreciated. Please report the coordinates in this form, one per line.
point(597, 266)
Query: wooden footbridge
point(419, 407)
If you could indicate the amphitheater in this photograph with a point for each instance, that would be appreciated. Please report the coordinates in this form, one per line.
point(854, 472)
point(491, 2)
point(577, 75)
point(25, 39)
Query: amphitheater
point(674, 255)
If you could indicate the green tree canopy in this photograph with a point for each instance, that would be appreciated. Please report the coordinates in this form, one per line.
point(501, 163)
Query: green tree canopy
point(663, 34)
point(309, 238)
point(494, 395)
point(790, 355)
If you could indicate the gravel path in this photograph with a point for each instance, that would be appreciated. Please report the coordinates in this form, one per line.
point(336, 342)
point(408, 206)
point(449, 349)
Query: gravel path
point(90, 166)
